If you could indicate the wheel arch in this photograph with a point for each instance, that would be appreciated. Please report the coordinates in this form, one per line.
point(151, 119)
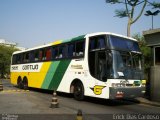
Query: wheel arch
point(25, 79)
point(19, 79)
point(74, 82)
point(25, 82)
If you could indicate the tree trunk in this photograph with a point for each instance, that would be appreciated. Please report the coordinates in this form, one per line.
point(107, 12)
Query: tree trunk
point(129, 28)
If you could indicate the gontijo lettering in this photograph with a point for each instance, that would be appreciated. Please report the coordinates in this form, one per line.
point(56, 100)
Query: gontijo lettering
point(30, 67)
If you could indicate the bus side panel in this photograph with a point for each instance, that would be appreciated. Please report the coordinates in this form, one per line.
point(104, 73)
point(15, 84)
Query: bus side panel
point(55, 74)
point(14, 77)
point(36, 79)
point(71, 73)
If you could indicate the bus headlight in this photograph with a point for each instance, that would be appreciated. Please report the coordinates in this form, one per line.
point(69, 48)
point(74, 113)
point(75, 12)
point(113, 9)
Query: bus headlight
point(143, 82)
point(118, 85)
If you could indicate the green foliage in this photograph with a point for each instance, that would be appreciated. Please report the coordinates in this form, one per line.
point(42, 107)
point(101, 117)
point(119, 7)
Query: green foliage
point(113, 1)
point(121, 13)
point(5, 59)
point(129, 9)
point(146, 53)
point(155, 5)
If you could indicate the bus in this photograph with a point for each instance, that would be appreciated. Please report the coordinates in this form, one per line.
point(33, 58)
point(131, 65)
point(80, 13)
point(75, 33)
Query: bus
point(102, 65)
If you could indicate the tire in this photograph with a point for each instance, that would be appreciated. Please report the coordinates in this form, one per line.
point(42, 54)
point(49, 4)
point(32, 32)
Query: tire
point(25, 83)
point(19, 83)
point(78, 91)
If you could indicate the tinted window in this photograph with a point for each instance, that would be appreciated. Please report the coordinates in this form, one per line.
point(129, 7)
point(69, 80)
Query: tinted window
point(26, 57)
point(80, 48)
point(55, 52)
point(62, 52)
point(97, 42)
point(48, 54)
point(14, 59)
point(123, 44)
point(71, 50)
point(36, 55)
point(31, 56)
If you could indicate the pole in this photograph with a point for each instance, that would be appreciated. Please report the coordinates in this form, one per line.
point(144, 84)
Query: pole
point(152, 22)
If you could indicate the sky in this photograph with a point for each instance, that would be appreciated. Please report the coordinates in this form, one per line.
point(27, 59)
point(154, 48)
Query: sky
point(31, 23)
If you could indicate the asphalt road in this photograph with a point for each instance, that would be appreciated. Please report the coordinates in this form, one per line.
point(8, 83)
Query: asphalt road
point(36, 104)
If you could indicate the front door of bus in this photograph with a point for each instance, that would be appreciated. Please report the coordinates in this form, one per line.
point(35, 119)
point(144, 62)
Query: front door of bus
point(98, 65)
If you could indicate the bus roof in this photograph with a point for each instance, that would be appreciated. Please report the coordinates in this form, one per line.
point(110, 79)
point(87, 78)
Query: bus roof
point(109, 33)
point(74, 39)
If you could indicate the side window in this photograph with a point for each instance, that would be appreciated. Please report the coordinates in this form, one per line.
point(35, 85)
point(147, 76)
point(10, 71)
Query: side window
point(101, 42)
point(54, 52)
point(36, 55)
point(45, 54)
point(62, 51)
point(97, 42)
point(80, 46)
point(31, 56)
point(48, 54)
point(14, 59)
point(42, 55)
point(71, 50)
point(26, 57)
point(18, 58)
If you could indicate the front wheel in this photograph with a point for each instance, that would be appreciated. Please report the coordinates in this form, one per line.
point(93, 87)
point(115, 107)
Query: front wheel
point(78, 91)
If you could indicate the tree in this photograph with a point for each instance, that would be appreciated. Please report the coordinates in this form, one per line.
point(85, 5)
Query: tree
point(146, 53)
point(5, 59)
point(129, 10)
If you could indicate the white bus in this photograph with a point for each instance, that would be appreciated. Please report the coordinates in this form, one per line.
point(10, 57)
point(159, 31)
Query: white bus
point(101, 65)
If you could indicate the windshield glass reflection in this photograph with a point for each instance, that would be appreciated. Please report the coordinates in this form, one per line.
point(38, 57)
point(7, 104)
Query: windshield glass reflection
point(127, 65)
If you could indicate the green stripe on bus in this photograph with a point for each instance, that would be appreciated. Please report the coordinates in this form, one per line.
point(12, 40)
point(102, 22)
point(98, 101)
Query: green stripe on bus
point(49, 75)
point(59, 73)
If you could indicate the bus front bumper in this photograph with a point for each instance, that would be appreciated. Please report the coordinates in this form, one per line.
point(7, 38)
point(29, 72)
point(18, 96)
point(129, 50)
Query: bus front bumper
point(128, 92)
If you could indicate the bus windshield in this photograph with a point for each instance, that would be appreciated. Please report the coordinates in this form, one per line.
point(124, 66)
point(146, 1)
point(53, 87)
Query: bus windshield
point(127, 65)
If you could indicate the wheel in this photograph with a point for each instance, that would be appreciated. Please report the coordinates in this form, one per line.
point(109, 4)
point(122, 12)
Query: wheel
point(19, 83)
point(25, 83)
point(78, 91)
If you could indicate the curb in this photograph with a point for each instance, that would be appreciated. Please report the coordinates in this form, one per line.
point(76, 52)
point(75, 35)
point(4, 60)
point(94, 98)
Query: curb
point(147, 102)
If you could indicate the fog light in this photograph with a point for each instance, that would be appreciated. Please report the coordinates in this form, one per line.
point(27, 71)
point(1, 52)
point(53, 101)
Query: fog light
point(143, 91)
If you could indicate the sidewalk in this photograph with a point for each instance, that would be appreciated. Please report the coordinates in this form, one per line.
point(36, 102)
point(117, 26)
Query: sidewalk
point(148, 102)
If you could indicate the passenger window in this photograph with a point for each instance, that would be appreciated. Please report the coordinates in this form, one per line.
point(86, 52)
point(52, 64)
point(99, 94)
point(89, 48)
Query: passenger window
point(97, 43)
point(101, 42)
point(80, 48)
point(55, 52)
point(43, 54)
point(19, 58)
point(62, 52)
point(48, 54)
point(31, 56)
point(14, 59)
point(36, 55)
point(71, 50)
point(26, 57)
point(40, 55)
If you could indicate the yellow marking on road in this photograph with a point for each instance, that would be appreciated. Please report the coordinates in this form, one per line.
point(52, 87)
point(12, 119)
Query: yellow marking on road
point(14, 91)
